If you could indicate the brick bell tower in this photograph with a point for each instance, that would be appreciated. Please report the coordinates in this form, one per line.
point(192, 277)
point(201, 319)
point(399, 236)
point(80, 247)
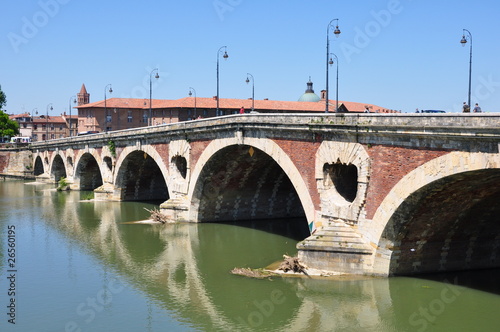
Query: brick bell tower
point(83, 96)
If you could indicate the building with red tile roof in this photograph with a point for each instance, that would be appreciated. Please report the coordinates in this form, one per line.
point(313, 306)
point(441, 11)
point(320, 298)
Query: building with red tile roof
point(124, 113)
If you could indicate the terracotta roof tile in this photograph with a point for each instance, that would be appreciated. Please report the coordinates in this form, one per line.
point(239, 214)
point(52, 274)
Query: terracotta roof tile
point(229, 103)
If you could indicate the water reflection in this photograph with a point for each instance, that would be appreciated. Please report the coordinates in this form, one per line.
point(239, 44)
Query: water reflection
point(184, 270)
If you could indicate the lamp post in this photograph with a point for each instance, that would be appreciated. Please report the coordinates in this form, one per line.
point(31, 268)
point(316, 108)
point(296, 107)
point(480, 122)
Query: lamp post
point(225, 56)
point(105, 106)
point(336, 32)
point(150, 120)
point(72, 98)
point(47, 121)
point(463, 41)
point(253, 88)
point(190, 94)
point(330, 62)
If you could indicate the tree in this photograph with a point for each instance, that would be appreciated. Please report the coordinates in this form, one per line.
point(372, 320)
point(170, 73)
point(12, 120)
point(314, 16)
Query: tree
point(3, 99)
point(8, 127)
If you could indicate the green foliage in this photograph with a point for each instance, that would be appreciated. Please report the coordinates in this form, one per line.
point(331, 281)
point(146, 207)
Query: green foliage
point(112, 148)
point(8, 127)
point(87, 196)
point(62, 184)
point(3, 98)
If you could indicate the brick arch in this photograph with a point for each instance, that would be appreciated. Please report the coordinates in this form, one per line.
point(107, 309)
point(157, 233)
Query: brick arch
point(270, 148)
point(150, 151)
point(420, 185)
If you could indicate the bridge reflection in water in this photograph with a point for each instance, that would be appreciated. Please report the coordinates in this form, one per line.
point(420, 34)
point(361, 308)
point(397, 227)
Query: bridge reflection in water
point(184, 270)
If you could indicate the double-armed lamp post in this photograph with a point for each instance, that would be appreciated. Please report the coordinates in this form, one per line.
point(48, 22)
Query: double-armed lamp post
point(336, 32)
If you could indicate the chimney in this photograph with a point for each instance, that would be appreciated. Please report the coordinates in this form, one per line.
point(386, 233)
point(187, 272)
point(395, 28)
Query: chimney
point(214, 97)
point(323, 94)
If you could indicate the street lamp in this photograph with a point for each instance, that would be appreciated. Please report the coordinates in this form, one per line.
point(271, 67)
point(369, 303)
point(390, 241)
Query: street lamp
point(190, 94)
point(72, 98)
point(150, 120)
point(336, 32)
point(463, 41)
point(47, 121)
point(253, 89)
point(225, 56)
point(105, 107)
point(330, 62)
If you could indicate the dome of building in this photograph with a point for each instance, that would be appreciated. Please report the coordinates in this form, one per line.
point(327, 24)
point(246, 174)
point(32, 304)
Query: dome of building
point(309, 95)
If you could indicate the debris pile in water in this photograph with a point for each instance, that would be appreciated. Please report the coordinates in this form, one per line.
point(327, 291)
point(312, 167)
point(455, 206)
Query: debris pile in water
point(292, 264)
point(157, 216)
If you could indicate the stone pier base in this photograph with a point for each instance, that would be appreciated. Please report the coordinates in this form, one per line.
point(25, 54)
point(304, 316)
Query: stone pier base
point(176, 209)
point(337, 247)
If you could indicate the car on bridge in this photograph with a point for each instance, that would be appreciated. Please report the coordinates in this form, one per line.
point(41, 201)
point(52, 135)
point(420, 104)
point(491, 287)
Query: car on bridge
point(432, 111)
point(88, 132)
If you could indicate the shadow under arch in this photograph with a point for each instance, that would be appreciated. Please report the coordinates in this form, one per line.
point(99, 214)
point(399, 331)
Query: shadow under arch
point(449, 223)
point(88, 172)
point(38, 168)
point(58, 169)
point(140, 178)
point(242, 182)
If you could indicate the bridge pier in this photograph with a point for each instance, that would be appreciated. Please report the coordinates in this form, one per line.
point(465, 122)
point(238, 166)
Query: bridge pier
point(337, 247)
point(107, 192)
point(176, 209)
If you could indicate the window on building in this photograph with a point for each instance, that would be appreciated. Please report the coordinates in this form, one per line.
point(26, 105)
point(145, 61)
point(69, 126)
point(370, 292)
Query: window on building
point(25, 125)
point(44, 126)
point(129, 117)
point(35, 137)
point(35, 126)
point(108, 118)
point(52, 127)
point(60, 127)
point(145, 118)
point(52, 136)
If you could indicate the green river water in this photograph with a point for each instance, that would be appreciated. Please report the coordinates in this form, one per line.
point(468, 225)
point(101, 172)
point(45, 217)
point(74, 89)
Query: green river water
point(67, 264)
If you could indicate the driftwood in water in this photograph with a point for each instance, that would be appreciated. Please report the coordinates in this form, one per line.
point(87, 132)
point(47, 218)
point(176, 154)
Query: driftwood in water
point(292, 264)
point(157, 216)
point(252, 273)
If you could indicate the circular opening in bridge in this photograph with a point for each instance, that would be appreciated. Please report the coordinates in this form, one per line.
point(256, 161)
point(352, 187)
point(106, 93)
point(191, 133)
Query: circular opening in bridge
point(344, 178)
point(108, 162)
point(181, 165)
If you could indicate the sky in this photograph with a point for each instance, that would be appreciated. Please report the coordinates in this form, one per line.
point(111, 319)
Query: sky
point(397, 54)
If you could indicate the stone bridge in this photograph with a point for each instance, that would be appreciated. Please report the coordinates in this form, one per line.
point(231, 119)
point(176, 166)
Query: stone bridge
point(380, 194)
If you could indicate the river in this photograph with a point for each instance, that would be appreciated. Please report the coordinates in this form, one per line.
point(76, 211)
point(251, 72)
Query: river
point(70, 264)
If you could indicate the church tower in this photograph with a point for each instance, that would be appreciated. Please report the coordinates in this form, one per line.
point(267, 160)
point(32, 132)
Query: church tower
point(83, 96)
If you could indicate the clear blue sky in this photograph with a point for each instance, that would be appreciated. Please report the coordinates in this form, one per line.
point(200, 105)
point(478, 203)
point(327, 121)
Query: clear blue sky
point(401, 55)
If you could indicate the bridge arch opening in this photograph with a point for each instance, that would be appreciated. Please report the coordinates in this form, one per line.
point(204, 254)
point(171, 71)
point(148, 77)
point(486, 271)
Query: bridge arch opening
point(38, 168)
point(243, 184)
point(58, 168)
point(88, 172)
point(450, 224)
point(141, 179)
